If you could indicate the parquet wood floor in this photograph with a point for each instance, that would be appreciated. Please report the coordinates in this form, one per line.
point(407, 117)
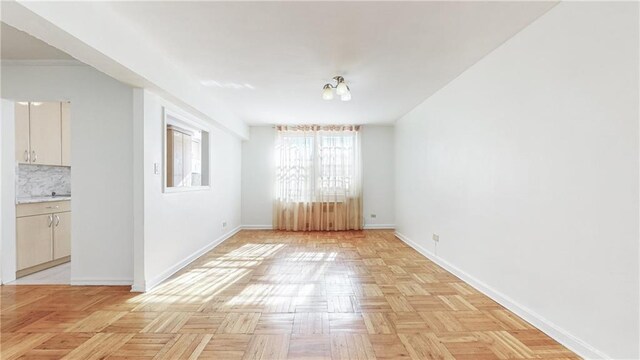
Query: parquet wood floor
point(277, 295)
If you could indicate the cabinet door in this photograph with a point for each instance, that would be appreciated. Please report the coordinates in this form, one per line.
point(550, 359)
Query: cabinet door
point(45, 133)
point(61, 235)
point(34, 240)
point(22, 132)
point(65, 123)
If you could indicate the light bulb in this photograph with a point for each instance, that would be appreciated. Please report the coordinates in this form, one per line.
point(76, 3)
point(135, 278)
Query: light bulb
point(346, 96)
point(342, 88)
point(327, 92)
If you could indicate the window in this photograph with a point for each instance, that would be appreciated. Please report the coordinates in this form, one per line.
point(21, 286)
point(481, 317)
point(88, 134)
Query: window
point(335, 154)
point(186, 154)
point(316, 164)
point(318, 178)
point(295, 165)
point(196, 161)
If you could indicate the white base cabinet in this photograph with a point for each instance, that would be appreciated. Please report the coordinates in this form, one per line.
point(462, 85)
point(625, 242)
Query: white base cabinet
point(43, 235)
point(34, 240)
point(61, 235)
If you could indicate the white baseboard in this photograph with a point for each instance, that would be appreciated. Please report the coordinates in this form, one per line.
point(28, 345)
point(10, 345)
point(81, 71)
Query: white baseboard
point(100, 282)
point(148, 285)
point(562, 336)
point(378, 226)
point(257, 227)
point(138, 287)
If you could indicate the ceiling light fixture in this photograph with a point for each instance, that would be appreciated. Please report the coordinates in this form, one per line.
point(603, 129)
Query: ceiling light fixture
point(341, 88)
point(327, 92)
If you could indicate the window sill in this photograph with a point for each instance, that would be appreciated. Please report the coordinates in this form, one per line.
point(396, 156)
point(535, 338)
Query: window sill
point(170, 190)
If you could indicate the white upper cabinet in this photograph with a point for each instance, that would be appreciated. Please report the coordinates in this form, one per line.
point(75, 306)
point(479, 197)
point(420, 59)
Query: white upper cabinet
point(43, 133)
point(22, 133)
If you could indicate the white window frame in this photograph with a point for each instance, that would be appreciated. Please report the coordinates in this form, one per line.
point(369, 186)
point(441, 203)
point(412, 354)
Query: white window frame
point(317, 171)
point(171, 117)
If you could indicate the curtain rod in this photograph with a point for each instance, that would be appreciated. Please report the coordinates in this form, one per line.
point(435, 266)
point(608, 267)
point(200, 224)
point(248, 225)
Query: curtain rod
point(318, 127)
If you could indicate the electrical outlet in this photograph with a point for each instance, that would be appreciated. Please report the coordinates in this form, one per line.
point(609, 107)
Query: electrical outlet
point(436, 237)
point(373, 216)
point(224, 224)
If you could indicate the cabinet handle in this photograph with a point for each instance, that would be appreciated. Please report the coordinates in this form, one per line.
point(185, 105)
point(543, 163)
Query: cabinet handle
point(57, 220)
point(26, 155)
point(53, 207)
point(34, 157)
point(50, 220)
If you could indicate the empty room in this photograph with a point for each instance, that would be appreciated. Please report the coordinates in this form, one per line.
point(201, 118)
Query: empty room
point(320, 180)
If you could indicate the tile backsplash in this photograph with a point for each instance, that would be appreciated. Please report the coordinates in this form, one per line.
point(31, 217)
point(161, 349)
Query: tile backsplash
point(41, 180)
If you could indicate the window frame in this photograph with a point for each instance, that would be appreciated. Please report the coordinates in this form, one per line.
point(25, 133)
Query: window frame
point(317, 178)
point(170, 117)
point(329, 191)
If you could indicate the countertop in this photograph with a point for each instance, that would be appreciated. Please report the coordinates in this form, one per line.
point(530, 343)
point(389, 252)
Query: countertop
point(38, 199)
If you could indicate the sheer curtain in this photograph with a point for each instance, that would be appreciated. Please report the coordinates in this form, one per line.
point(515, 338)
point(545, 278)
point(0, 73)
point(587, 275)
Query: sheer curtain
point(318, 178)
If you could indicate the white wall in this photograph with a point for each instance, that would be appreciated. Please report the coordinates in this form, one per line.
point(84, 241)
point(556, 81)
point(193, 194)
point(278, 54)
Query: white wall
point(179, 226)
point(7, 193)
point(527, 167)
point(4, 104)
point(101, 159)
point(378, 177)
point(378, 180)
point(258, 176)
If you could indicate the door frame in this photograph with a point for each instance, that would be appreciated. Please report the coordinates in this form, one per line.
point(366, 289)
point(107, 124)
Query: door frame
point(8, 192)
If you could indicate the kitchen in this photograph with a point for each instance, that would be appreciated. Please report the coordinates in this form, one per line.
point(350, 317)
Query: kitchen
point(43, 192)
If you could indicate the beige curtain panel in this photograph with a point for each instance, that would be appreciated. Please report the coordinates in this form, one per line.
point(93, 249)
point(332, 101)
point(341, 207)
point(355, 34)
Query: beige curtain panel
point(318, 178)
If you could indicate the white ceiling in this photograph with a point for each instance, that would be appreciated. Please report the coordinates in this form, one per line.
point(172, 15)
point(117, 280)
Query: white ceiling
point(267, 61)
point(18, 45)
point(393, 55)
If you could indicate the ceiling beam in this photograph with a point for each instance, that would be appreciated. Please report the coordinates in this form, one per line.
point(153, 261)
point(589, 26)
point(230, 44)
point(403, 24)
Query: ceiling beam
point(99, 38)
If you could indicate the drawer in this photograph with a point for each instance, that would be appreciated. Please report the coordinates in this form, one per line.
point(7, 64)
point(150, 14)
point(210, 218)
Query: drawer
point(42, 208)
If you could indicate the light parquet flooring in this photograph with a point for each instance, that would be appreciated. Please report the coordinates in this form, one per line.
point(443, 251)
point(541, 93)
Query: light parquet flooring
point(277, 295)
